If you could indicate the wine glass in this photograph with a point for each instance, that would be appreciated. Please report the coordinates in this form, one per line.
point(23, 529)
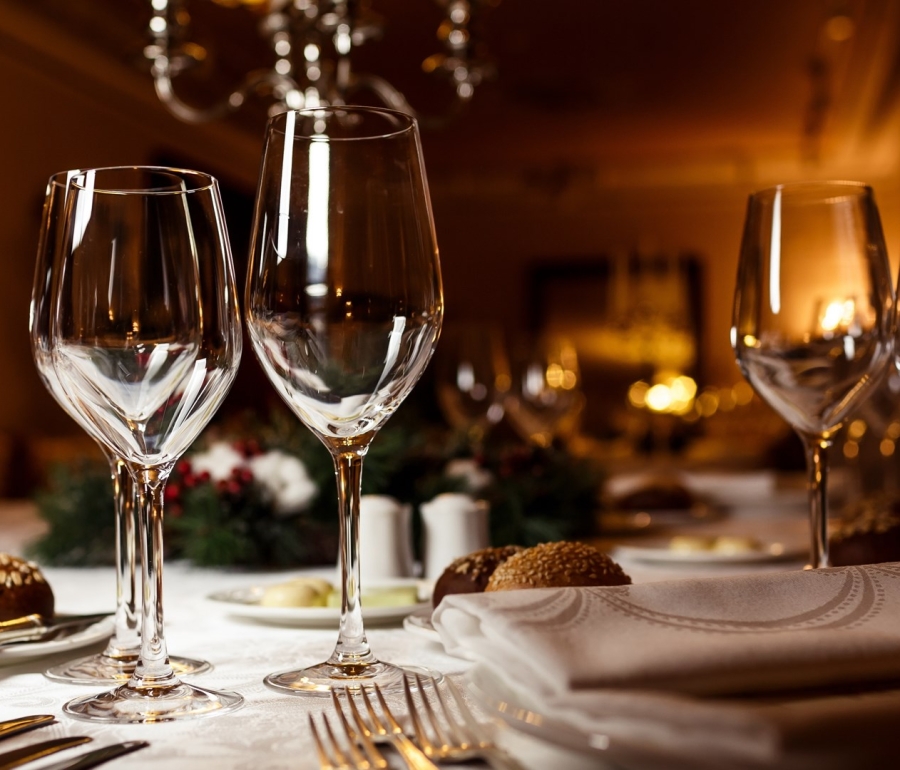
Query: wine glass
point(545, 398)
point(116, 663)
point(145, 341)
point(472, 378)
point(813, 315)
point(344, 307)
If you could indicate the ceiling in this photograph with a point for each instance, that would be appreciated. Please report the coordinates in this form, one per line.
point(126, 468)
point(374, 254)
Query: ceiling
point(617, 91)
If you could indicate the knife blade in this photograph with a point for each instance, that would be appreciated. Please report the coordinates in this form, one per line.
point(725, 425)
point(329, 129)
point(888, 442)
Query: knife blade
point(18, 757)
point(97, 756)
point(15, 726)
point(65, 626)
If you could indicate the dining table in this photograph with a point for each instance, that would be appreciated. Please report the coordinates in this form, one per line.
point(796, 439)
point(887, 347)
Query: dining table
point(271, 729)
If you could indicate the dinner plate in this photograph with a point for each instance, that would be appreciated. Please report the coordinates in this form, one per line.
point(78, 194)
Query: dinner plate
point(643, 520)
point(98, 632)
point(244, 603)
point(660, 553)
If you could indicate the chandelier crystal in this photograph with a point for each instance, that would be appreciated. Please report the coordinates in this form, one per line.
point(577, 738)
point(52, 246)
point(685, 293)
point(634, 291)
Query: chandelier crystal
point(313, 43)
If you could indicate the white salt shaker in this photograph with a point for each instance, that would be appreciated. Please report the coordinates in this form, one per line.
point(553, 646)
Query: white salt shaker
point(453, 525)
point(385, 538)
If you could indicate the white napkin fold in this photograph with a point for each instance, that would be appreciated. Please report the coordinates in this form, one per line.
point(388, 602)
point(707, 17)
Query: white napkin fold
point(629, 662)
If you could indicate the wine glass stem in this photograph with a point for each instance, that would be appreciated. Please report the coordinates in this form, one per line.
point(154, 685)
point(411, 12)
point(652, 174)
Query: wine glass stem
point(126, 638)
point(153, 669)
point(352, 648)
point(817, 486)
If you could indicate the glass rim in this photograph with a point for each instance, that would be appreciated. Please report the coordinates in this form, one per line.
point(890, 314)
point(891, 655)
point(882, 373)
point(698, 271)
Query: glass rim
point(409, 122)
point(206, 181)
point(810, 185)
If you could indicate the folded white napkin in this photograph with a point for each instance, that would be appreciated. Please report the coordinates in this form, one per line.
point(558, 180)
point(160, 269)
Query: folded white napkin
point(630, 662)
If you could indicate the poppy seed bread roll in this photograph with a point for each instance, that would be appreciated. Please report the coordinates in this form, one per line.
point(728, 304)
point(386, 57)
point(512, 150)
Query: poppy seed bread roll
point(557, 565)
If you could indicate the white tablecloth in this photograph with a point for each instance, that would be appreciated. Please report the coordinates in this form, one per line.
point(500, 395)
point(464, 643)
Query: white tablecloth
point(269, 731)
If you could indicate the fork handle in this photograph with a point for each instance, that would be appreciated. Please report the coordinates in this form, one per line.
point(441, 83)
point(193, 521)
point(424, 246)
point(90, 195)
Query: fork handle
point(412, 755)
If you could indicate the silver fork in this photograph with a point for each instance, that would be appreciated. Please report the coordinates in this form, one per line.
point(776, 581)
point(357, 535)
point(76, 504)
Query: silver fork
point(455, 739)
point(333, 756)
point(388, 729)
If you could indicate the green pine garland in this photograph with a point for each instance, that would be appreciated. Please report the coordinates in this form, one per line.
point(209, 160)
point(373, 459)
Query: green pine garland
point(535, 495)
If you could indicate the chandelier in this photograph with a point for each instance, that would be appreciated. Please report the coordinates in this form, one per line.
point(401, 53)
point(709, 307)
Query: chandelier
point(312, 42)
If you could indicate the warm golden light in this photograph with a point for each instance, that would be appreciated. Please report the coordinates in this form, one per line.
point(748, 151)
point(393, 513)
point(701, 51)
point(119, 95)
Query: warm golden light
point(857, 429)
point(838, 314)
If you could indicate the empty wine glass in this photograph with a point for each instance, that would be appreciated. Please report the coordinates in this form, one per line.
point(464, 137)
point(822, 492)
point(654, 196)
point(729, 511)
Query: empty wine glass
point(116, 663)
point(545, 398)
point(472, 373)
point(344, 306)
point(813, 315)
point(145, 341)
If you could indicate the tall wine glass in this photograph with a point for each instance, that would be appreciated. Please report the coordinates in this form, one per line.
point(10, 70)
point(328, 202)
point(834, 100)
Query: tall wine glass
point(116, 663)
point(472, 378)
point(344, 307)
point(813, 315)
point(145, 341)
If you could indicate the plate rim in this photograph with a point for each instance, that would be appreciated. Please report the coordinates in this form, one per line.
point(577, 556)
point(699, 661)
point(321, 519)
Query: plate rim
point(96, 632)
point(660, 554)
point(300, 616)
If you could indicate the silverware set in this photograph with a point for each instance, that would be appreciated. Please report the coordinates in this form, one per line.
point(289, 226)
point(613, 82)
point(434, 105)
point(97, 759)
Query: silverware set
point(348, 741)
point(32, 752)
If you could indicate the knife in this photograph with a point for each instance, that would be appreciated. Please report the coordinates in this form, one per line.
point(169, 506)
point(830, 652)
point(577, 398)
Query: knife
point(18, 757)
point(97, 756)
point(15, 726)
point(39, 631)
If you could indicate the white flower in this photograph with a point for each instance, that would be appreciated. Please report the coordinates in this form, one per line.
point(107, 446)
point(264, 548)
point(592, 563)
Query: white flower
point(475, 477)
point(219, 461)
point(284, 477)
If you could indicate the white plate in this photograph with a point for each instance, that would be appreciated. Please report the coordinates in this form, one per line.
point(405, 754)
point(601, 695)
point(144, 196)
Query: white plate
point(419, 623)
point(16, 653)
point(244, 603)
point(660, 553)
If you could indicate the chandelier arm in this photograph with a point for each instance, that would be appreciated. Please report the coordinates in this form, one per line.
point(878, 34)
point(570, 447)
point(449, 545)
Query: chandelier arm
point(392, 98)
point(252, 83)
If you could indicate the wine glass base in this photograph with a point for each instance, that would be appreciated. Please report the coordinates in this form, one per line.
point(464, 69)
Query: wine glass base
point(127, 705)
point(322, 678)
point(106, 669)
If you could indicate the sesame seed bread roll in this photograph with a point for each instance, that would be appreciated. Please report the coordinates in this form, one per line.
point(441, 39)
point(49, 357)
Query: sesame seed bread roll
point(557, 565)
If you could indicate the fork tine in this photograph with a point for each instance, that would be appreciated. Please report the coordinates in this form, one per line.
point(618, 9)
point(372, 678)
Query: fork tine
point(442, 735)
point(339, 755)
point(459, 735)
point(475, 729)
point(421, 735)
point(395, 725)
point(373, 757)
point(373, 715)
point(324, 758)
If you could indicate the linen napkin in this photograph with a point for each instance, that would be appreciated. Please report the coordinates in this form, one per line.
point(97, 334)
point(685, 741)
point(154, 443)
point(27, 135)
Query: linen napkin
point(723, 666)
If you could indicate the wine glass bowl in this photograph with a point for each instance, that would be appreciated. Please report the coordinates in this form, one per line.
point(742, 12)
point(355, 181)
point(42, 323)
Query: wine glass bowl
point(472, 378)
point(117, 661)
point(145, 341)
point(344, 306)
point(545, 398)
point(813, 328)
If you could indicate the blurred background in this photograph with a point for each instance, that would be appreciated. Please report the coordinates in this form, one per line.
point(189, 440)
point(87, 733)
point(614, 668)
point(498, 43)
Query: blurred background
point(592, 190)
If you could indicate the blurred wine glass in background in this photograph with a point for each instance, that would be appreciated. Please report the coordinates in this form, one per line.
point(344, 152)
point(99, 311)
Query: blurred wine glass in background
point(472, 373)
point(545, 398)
